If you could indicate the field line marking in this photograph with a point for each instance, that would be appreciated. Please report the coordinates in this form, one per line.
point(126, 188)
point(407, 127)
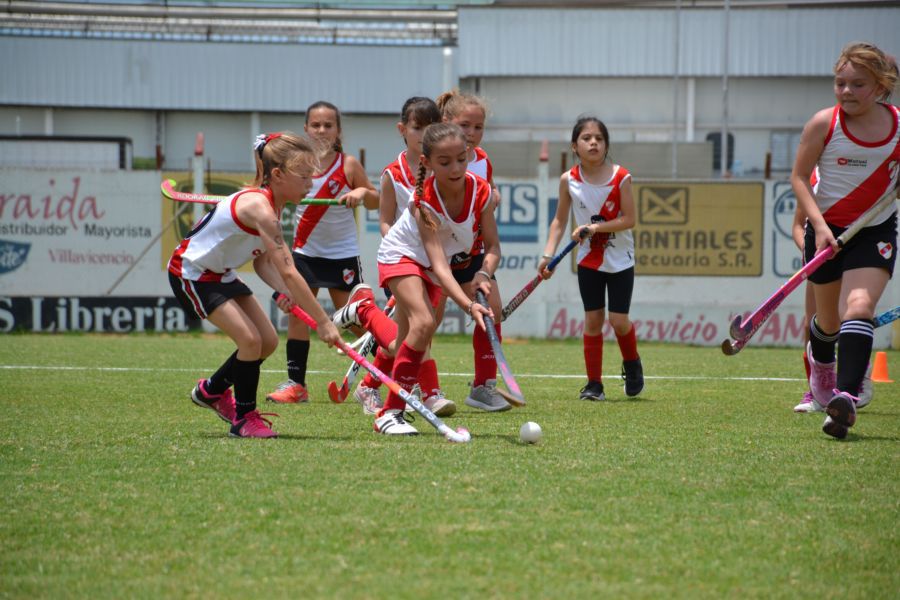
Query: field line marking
point(315, 372)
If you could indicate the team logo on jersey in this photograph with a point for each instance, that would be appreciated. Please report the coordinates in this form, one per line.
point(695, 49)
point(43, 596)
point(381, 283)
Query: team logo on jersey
point(349, 275)
point(334, 187)
point(885, 249)
point(12, 255)
point(609, 205)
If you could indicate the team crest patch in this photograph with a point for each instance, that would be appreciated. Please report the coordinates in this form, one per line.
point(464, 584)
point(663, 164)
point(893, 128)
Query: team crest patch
point(334, 187)
point(886, 249)
point(349, 275)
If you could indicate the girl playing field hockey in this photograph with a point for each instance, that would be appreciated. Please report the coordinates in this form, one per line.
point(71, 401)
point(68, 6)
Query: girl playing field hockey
point(398, 184)
point(247, 225)
point(326, 247)
point(599, 193)
point(413, 261)
point(855, 149)
point(469, 113)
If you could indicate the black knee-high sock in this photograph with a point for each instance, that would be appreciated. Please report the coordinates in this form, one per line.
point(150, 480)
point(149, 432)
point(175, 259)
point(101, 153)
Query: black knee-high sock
point(822, 343)
point(297, 356)
point(854, 348)
point(246, 382)
point(221, 380)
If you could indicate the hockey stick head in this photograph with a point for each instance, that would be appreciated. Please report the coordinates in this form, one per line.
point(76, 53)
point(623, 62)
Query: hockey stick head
point(335, 393)
point(731, 347)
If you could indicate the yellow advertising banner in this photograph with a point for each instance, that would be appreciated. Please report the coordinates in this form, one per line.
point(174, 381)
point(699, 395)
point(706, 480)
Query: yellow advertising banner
point(699, 228)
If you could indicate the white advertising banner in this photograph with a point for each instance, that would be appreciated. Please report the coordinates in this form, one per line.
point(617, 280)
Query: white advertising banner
point(74, 233)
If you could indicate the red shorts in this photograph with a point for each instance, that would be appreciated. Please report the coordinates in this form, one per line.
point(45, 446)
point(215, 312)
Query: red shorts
point(407, 267)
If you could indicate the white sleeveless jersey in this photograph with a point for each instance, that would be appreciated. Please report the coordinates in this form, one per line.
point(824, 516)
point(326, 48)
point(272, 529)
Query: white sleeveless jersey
point(403, 241)
point(218, 244)
point(852, 175)
point(606, 252)
point(327, 231)
point(404, 182)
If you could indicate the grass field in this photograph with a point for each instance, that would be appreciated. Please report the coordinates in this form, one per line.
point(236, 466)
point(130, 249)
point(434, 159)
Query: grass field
point(708, 485)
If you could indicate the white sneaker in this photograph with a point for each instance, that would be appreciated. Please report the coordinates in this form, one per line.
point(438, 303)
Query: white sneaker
point(440, 405)
point(393, 423)
point(486, 397)
point(866, 390)
point(808, 404)
point(822, 379)
point(369, 398)
point(346, 317)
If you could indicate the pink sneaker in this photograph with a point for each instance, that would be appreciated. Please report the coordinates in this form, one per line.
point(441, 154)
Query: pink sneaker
point(254, 425)
point(822, 379)
point(222, 404)
point(808, 404)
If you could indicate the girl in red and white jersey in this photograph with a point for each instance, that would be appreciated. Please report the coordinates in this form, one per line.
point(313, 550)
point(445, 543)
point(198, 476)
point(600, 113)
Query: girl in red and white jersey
point(326, 245)
point(398, 185)
point(854, 148)
point(470, 113)
point(598, 191)
point(246, 226)
point(413, 261)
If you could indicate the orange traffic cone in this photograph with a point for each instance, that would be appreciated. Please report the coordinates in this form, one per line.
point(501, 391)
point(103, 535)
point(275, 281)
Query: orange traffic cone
point(880, 370)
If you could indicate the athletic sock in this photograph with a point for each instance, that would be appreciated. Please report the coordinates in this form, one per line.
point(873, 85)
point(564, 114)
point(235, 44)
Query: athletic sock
point(376, 322)
point(593, 356)
point(485, 361)
point(246, 382)
point(822, 343)
point(406, 373)
point(428, 378)
point(221, 380)
point(628, 344)
point(854, 348)
point(297, 357)
point(385, 364)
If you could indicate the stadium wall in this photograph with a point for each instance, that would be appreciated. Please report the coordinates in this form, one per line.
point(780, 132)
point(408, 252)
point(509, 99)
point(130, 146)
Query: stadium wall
point(707, 250)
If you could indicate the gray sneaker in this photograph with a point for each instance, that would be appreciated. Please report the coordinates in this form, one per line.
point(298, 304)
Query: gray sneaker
point(486, 397)
point(440, 405)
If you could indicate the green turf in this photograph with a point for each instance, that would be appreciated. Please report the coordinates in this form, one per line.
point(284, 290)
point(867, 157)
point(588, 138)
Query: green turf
point(115, 485)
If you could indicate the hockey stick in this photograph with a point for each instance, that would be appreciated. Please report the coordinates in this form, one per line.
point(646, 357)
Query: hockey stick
point(888, 316)
point(169, 191)
point(743, 329)
point(367, 344)
point(460, 435)
point(519, 298)
point(515, 396)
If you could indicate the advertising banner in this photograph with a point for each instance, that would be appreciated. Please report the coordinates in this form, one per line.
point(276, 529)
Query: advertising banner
point(75, 232)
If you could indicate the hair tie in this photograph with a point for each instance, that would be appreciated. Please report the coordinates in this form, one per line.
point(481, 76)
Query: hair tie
point(262, 139)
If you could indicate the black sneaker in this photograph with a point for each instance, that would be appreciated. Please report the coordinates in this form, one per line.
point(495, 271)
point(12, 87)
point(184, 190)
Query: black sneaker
point(633, 374)
point(592, 391)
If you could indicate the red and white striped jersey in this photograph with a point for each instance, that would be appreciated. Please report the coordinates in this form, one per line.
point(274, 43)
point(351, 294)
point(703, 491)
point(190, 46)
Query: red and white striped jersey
point(218, 243)
point(852, 175)
point(404, 181)
point(456, 235)
point(606, 252)
point(327, 231)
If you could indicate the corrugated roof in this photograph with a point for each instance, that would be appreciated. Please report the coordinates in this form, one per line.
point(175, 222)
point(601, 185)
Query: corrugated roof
point(213, 76)
point(640, 43)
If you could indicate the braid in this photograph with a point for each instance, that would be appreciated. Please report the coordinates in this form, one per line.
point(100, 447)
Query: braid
point(420, 194)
